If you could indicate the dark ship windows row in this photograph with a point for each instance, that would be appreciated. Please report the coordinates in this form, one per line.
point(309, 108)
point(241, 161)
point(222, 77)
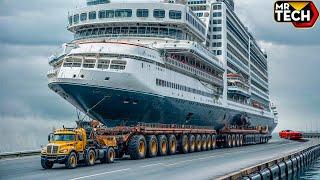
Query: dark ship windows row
point(91, 63)
point(172, 85)
point(123, 13)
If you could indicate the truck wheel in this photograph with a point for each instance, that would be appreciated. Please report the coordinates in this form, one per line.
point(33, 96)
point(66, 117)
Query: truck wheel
point(233, 137)
point(152, 146)
point(172, 144)
point(198, 142)
point(71, 161)
point(204, 142)
point(213, 141)
point(209, 142)
point(192, 143)
point(137, 147)
point(90, 158)
point(46, 164)
point(184, 144)
point(163, 145)
point(110, 155)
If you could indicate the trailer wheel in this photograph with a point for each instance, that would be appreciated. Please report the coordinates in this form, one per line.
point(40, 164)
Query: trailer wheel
point(228, 141)
point(184, 144)
point(163, 145)
point(209, 145)
point(172, 144)
point(233, 137)
point(198, 142)
point(71, 161)
point(213, 141)
point(90, 157)
point(237, 140)
point(152, 146)
point(192, 143)
point(137, 147)
point(46, 164)
point(204, 142)
point(241, 140)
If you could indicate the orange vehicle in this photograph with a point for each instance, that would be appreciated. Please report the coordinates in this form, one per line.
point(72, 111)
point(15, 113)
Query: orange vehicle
point(289, 134)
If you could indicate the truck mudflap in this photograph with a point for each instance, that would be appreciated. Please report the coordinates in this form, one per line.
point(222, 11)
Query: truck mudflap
point(55, 158)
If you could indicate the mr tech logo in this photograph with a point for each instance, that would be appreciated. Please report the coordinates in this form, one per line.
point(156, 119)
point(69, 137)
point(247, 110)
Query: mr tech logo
point(302, 14)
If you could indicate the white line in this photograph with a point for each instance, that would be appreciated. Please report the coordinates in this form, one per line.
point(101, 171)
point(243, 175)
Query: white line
point(99, 174)
point(149, 165)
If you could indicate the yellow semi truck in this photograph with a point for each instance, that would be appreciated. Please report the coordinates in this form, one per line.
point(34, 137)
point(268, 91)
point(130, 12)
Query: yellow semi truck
point(70, 146)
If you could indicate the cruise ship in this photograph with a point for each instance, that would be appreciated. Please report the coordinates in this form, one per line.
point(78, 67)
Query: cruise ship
point(172, 62)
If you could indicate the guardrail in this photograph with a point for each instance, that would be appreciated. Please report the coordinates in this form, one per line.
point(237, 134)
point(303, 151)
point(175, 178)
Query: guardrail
point(19, 154)
point(285, 167)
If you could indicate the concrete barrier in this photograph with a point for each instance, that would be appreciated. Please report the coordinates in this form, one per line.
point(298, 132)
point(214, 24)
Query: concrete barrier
point(288, 168)
point(283, 170)
point(275, 172)
point(265, 174)
point(255, 176)
point(294, 167)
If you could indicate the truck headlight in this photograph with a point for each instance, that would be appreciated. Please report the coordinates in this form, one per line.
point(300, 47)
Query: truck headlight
point(63, 151)
point(44, 150)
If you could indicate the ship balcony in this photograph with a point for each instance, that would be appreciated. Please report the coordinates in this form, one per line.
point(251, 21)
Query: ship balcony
point(52, 73)
point(194, 72)
point(239, 90)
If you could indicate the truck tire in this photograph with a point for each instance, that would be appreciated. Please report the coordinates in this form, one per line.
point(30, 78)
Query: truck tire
point(192, 143)
point(233, 137)
point(198, 142)
point(184, 144)
point(46, 164)
point(172, 144)
point(163, 145)
point(152, 146)
point(90, 157)
point(72, 161)
point(209, 145)
point(137, 147)
point(110, 155)
point(204, 142)
point(213, 141)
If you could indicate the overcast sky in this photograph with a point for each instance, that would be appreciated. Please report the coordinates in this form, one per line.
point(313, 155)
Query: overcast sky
point(32, 30)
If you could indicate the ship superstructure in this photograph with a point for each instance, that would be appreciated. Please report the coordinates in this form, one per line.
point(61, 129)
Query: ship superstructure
point(159, 62)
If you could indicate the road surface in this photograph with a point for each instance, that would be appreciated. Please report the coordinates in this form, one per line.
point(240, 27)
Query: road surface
point(200, 165)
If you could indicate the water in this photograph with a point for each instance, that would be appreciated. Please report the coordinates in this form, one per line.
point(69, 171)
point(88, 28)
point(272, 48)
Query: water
point(313, 172)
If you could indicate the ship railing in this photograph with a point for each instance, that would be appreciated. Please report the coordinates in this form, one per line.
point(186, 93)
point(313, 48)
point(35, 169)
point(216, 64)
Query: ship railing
point(61, 52)
point(194, 71)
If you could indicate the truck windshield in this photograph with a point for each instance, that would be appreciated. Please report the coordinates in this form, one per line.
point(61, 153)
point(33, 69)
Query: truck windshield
point(63, 137)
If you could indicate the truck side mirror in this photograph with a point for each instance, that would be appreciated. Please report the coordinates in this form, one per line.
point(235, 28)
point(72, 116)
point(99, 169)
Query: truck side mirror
point(50, 136)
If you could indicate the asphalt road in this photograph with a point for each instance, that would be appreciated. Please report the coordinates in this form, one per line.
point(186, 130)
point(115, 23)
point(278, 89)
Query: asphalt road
point(201, 165)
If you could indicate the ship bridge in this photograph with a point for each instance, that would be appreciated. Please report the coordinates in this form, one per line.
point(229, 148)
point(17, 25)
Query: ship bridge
point(162, 20)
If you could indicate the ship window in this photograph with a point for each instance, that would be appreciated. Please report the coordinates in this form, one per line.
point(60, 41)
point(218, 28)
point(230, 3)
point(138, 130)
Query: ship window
point(92, 15)
point(76, 18)
point(83, 16)
point(109, 13)
point(70, 20)
point(142, 12)
point(72, 63)
point(216, 7)
point(216, 21)
point(118, 64)
point(102, 31)
point(103, 64)
point(217, 14)
point(102, 14)
point(216, 36)
point(216, 29)
point(174, 14)
point(159, 13)
point(89, 63)
point(123, 13)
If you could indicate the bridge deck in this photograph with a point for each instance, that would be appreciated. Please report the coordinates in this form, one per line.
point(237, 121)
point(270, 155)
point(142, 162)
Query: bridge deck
point(202, 165)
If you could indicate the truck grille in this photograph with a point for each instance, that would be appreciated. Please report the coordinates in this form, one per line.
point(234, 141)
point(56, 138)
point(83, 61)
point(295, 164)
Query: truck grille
point(52, 149)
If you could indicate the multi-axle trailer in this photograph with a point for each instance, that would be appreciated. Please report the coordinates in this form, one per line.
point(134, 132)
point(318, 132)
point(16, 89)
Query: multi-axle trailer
point(141, 141)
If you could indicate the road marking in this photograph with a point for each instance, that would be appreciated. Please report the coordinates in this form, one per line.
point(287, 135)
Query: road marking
point(149, 165)
point(190, 160)
point(99, 174)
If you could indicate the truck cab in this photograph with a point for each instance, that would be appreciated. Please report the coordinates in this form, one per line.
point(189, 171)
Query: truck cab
point(70, 146)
